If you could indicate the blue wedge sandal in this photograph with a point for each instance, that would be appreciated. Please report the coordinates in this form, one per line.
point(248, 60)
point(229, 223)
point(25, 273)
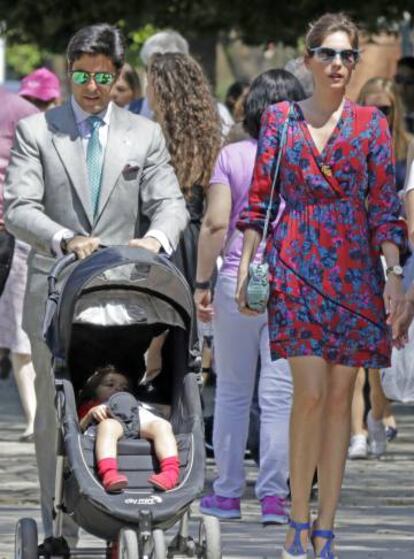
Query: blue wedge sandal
point(296, 550)
point(326, 552)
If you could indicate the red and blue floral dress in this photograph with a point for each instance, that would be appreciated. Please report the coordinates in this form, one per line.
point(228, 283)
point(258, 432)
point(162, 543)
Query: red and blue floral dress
point(327, 279)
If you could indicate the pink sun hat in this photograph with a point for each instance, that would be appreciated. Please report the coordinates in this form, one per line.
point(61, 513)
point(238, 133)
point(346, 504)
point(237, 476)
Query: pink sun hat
point(41, 84)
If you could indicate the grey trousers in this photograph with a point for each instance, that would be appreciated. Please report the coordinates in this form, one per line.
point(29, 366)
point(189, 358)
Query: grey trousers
point(45, 431)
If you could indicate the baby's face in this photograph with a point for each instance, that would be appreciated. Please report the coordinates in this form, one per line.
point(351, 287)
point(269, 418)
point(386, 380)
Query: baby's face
point(112, 383)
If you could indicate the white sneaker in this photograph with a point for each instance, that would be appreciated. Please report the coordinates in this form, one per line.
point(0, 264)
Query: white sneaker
point(377, 437)
point(358, 449)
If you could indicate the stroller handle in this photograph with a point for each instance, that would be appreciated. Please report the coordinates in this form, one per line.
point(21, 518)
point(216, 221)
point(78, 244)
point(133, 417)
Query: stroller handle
point(57, 269)
point(53, 293)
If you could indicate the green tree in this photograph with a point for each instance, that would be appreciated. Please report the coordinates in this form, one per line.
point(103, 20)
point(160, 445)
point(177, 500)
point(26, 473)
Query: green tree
point(50, 23)
point(23, 58)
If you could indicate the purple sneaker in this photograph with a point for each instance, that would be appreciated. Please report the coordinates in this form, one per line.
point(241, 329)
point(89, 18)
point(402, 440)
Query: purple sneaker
point(274, 510)
point(221, 507)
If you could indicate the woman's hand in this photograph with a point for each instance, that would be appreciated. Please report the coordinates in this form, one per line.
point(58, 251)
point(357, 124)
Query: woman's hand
point(394, 299)
point(203, 303)
point(241, 288)
point(99, 413)
point(402, 320)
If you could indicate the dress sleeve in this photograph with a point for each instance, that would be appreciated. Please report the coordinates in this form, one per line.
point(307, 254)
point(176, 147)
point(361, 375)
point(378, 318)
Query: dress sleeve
point(254, 214)
point(384, 208)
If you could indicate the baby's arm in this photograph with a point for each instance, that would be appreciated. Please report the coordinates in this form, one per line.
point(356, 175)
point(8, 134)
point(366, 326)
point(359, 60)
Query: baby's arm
point(97, 413)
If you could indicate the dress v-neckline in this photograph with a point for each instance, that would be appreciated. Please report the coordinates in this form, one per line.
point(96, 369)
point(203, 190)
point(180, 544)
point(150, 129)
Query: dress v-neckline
point(321, 154)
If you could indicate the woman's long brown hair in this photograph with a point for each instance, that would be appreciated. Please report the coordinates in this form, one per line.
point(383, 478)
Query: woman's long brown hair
point(400, 136)
point(188, 115)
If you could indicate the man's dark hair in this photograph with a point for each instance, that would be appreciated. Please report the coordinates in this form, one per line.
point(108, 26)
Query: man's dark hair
point(268, 88)
point(98, 39)
point(407, 61)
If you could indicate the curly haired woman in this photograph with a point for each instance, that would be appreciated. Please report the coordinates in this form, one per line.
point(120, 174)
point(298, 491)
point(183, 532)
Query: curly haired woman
point(179, 94)
point(180, 97)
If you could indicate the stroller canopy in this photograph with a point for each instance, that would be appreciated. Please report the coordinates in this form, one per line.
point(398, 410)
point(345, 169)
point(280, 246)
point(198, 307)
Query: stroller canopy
point(119, 286)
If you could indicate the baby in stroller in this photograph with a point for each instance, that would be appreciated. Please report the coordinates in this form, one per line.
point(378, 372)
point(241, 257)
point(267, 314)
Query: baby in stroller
point(108, 410)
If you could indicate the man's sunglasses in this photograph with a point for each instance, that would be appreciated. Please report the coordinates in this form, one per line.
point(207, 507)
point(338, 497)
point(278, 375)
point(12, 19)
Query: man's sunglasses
point(403, 80)
point(326, 54)
point(81, 77)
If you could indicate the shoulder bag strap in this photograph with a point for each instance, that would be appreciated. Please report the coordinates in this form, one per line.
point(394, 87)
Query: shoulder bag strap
point(277, 167)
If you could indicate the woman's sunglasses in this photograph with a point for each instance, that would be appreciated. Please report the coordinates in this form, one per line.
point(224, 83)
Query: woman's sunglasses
point(81, 77)
point(326, 54)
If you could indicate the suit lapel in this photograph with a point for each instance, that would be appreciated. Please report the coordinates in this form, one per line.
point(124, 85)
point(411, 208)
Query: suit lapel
point(68, 144)
point(116, 154)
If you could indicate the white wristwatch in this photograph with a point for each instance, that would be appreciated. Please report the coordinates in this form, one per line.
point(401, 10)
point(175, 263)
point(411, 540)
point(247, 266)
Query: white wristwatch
point(396, 270)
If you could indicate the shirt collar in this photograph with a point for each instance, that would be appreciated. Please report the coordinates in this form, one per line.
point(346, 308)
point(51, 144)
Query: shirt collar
point(81, 115)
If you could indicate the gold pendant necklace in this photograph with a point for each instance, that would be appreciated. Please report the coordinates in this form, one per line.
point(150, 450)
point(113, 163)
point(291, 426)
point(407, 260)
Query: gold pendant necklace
point(326, 170)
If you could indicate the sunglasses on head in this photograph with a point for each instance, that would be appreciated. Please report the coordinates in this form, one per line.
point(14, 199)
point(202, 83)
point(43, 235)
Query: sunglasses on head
point(81, 77)
point(327, 54)
point(403, 80)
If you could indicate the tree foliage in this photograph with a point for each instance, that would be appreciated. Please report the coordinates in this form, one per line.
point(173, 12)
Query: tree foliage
point(50, 23)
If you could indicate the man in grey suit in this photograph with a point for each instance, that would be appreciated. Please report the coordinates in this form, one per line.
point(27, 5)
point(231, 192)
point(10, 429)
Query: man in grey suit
point(81, 175)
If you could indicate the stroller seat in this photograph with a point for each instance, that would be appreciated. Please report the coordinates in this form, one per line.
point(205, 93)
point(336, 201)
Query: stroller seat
point(137, 460)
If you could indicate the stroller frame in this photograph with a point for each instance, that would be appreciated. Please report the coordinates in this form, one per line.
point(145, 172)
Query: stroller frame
point(142, 538)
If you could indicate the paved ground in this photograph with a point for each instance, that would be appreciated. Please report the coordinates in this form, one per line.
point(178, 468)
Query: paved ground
point(376, 517)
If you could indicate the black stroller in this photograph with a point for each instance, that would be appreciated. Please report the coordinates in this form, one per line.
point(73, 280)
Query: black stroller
point(108, 309)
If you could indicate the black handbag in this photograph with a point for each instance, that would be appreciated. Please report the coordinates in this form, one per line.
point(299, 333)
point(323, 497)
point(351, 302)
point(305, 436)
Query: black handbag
point(6, 256)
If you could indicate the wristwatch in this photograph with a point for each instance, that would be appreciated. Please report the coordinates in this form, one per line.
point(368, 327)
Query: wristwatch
point(202, 284)
point(396, 270)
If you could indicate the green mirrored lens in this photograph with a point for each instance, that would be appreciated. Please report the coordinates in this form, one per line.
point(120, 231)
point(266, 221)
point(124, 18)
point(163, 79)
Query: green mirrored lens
point(104, 78)
point(80, 78)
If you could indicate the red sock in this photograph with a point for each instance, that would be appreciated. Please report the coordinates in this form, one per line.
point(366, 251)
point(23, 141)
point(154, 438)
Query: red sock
point(112, 480)
point(168, 478)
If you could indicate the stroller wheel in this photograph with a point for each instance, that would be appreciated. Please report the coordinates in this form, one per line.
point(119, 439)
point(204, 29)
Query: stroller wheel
point(210, 538)
point(159, 549)
point(127, 544)
point(25, 546)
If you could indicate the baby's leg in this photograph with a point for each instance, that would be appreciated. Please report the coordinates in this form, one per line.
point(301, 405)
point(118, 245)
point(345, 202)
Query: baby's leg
point(109, 431)
point(160, 432)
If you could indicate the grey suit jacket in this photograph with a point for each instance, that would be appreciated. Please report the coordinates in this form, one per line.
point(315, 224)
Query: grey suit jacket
point(47, 189)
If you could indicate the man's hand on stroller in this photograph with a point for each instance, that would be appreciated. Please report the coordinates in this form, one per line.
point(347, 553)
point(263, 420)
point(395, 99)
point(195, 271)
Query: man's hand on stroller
point(150, 243)
point(82, 246)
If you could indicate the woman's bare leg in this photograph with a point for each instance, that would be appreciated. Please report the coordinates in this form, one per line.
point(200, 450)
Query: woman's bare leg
point(335, 439)
point(24, 375)
point(378, 400)
point(389, 418)
point(310, 382)
point(358, 405)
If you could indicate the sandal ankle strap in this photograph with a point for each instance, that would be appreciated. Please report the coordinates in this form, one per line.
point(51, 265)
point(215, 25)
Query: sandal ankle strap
point(325, 534)
point(296, 547)
point(299, 526)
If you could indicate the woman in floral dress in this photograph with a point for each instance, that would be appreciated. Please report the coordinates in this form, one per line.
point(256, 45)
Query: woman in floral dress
point(326, 310)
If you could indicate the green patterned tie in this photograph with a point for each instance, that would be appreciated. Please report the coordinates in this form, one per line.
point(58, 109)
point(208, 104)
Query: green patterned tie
point(94, 160)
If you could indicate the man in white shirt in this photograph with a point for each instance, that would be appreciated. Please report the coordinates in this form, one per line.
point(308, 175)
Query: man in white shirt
point(83, 175)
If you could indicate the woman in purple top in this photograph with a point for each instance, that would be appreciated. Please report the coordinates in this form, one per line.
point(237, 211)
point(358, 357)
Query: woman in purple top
point(240, 341)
